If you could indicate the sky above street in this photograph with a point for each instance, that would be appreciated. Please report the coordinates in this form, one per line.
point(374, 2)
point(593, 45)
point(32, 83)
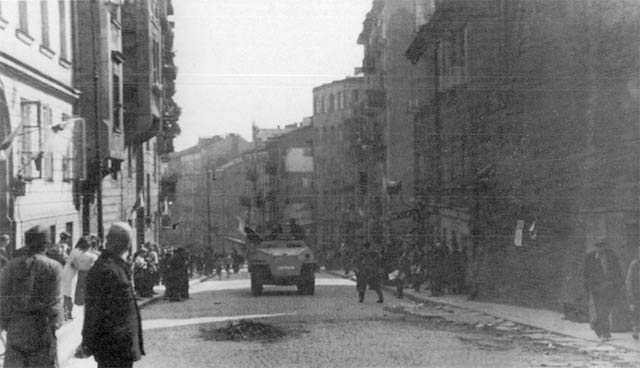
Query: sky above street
point(241, 61)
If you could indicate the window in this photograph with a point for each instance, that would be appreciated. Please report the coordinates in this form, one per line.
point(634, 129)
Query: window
point(355, 96)
point(322, 110)
point(67, 168)
point(52, 234)
point(114, 12)
point(117, 102)
point(47, 158)
point(156, 62)
point(148, 204)
point(44, 22)
point(332, 103)
point(62, 9)
point(129, 163)
point(31, 145)
point(23, 20)
point(155, 163)
point(452, 55)
point(69, 228)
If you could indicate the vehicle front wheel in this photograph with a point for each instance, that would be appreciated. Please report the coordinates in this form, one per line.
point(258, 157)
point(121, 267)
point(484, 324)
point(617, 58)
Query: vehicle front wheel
point(256, 283)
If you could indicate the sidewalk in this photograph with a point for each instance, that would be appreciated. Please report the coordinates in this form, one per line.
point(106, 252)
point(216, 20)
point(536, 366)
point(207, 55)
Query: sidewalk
point(70, 335)
point(538, 318)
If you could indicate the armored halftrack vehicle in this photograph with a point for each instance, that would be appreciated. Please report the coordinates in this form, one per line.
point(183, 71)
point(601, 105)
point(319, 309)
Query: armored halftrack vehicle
point(282, 262)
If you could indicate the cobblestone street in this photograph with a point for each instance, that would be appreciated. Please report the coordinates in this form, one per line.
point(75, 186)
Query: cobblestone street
point(331, 329)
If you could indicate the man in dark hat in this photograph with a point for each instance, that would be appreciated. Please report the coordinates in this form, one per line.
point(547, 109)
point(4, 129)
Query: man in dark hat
point(603, 282)
point(31, 304)
point(112, 330)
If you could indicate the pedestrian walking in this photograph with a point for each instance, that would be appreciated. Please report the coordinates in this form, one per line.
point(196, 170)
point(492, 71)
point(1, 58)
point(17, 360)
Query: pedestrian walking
point(179, 276)
point(458, 269)
point(83, 258)
point(404, 272)
point(228, 261)
point(69, 277)
point(237, 260)
point(296, 231)
point(368, 273)
point(438, 268)
point(632, 287)
point(31, 304)
point(219, 260)
point(59, 251)
point(141, 279)
point(603, 282)
point(112, 330)
point(5, 241)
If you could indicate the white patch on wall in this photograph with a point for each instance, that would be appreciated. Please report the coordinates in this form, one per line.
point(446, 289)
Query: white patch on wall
point(299, 160)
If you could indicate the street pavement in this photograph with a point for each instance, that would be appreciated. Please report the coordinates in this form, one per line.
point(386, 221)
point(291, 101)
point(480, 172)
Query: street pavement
point(331, 329)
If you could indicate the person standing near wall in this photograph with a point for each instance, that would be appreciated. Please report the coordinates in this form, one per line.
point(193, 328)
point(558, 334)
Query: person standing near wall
point(603, 282)
point(632, 286)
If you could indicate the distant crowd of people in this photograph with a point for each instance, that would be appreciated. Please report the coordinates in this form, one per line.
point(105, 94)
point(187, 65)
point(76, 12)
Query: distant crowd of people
point(210, 262)
point(444, 269)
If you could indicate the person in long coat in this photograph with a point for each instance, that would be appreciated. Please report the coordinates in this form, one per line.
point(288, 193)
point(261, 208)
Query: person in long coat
point(177, 286)
point(368, 273)
point(112, 330)
point(438, 258)
point(603, 281)
point(632, 287)
point(31, 304)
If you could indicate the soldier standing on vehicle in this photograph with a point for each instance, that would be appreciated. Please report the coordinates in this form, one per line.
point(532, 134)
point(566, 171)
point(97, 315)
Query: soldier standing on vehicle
point(368, 272)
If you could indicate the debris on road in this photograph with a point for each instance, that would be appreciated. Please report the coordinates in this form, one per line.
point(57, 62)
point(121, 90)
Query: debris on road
point(244, 330)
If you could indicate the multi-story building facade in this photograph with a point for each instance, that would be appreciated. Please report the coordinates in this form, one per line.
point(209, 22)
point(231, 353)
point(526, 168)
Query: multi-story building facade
point(37, 96)
point(404, 85)
point(194, 217)
point(525, 136)
point(229, 186)
point(98, 73)
point(290, 174)
point(340, 164)
point(144, 24)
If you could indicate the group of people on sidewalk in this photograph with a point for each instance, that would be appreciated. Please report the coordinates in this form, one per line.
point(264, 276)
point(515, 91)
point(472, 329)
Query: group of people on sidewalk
point(42, 281)
point(35, 299)
point(210, 262)
point(604, 279)
point(442, 267)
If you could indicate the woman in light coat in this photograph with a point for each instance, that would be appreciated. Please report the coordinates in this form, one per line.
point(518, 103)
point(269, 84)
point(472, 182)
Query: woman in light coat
point(83, 259)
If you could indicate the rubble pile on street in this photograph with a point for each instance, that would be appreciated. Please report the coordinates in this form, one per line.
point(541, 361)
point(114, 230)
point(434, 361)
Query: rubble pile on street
point(245, 330)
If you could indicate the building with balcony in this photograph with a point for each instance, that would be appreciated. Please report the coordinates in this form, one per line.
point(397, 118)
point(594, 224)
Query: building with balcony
point(147, 35)
point(106, 192)
point(528, 148)
point(38, 163)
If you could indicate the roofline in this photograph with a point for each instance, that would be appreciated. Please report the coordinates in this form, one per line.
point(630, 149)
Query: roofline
point(340, 81)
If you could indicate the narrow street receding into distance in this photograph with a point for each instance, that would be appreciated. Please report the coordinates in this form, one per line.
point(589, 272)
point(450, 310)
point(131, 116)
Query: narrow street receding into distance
point(329, 329)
